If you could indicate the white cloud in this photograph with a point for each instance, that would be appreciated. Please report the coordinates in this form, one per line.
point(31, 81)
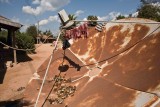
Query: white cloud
point(156, 4)
point(111, 16)
point(46, 21)
point(135, 14)
point(30, 10)
point(78, 12)
point(44, 5)
point(43, 22)
point(102, 18)
point(36, 2)
point(84, 19)
point(24, 27)
point(53, 18)
point(15, 19)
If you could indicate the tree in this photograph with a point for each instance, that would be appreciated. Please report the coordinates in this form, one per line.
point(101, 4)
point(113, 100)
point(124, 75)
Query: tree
point(47, 32)
point(92, 23)
point(73, 17)
point(23, 41)
point(3, 36)
point(149, 11)
point(120, 17)
point(32, 31)
point(149, 1)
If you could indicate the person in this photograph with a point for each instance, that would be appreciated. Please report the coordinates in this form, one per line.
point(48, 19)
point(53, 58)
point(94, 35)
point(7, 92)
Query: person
point(54, 44)
point(66, 44)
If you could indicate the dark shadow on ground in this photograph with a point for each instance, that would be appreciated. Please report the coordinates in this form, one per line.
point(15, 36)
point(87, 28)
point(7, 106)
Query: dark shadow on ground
point(7, 55)
point(63, 68)
point(16, 103)
point(23, 57)
point(72, 63)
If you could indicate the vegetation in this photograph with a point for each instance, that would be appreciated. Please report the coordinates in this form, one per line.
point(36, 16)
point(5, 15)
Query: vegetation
point(23, 41)
point(32, 31)
point(149, 11)
point(92, 23)
point(3, 36)
point(120, 17)
point(47, 32)
point(149, 1)
point(73, 17)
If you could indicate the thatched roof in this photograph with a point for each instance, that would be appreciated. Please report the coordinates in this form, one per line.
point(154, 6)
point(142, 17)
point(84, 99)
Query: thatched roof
point(7, 23)
point(46, 37)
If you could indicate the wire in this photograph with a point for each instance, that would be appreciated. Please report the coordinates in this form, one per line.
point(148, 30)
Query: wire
point(53, 84)
point(105, 60)
point(123, 50)
point(85, 21)
point(51, 57)
point(109, 80)
point(23, 49)
point(50, 91)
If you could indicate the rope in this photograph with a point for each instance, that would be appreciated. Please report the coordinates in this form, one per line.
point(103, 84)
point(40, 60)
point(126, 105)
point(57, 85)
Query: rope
point(109, 80)
point(50, 91)
point(83, 65)
point(51, 57)
point(123, 50)
point(92, 64)
point(23, 49)
point(53, 84)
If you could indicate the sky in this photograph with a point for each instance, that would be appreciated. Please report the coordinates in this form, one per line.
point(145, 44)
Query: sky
point(29, 12)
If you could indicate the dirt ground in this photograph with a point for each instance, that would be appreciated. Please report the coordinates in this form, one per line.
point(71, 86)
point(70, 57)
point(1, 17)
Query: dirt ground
point(17, 77)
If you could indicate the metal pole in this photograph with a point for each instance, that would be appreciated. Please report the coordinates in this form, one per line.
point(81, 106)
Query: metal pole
point(51, 57)
point(117, 21)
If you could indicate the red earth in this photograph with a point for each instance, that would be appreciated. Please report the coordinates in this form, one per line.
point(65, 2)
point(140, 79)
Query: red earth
point(118, 67)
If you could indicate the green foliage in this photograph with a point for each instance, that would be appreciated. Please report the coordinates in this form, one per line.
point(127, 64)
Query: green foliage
point(120, 17)
point(73, 17)
point(148, 1)
point(3, 36)
point(23, 41)
point(92, 23)
point(32, 31)
point(47, 32)
point(143, 1)
point(149, 12)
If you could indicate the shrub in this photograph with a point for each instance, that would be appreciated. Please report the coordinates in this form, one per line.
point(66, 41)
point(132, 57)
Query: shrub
point(92, 23)
point(120, 17)
point(3, 39)
point(3, 36)
point(149, 11)
point(23, 41)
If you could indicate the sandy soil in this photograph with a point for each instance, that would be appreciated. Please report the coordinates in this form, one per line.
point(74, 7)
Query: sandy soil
point(17, 77)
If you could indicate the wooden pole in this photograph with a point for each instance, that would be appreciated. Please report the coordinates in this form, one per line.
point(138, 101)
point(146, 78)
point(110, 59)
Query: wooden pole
point(14, 45)
point(9, 37)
